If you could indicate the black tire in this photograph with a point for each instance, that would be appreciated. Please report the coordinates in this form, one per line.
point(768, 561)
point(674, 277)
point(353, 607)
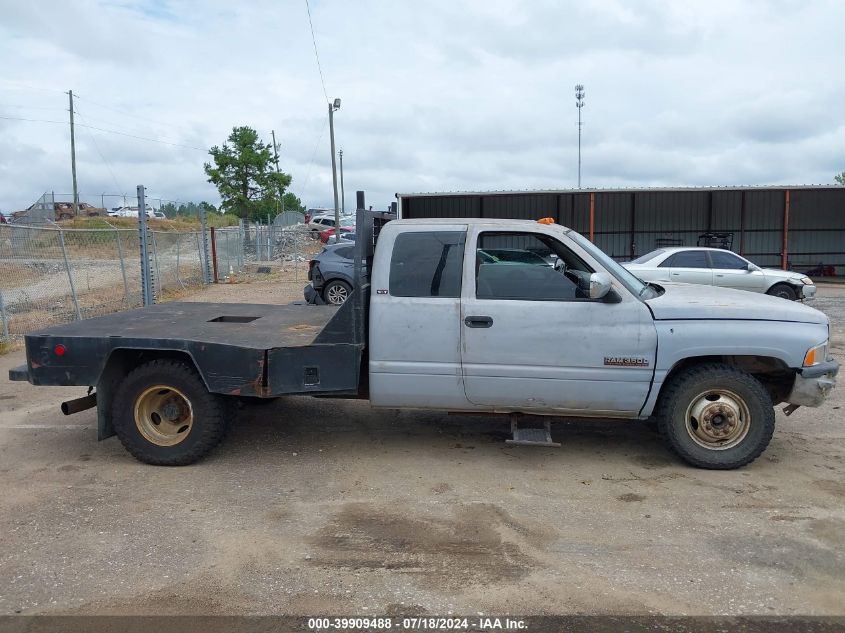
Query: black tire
point(315, 234)
point(208, 414)
point(336, 292)
point(784, 291)
point(699, 385)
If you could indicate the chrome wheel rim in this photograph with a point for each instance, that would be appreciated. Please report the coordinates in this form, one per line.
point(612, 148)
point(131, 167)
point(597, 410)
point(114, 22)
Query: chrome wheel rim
point(337, 294)
point(717, 419)
point(163, 415)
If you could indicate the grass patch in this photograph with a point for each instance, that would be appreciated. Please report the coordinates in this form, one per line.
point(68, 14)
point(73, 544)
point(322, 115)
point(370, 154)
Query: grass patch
point(7, 347)
point(181, 223)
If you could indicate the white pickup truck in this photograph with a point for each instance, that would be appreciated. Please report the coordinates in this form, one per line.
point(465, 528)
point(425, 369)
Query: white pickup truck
point(465, 315)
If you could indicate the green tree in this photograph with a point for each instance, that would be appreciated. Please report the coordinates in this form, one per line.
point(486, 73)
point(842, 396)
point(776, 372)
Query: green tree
point(840, 178)
point(293, 203)
point(242, 170)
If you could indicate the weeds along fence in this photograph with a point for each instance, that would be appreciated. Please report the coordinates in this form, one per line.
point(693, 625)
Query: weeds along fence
point(51, 275)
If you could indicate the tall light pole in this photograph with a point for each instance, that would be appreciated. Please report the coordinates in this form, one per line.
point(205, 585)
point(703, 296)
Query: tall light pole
point(342, 194)
point(579, 103)
point(334, 105)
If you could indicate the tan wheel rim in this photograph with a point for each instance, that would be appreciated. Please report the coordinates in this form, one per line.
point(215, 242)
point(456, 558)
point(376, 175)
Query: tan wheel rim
point(717, 419)
point(163, 415)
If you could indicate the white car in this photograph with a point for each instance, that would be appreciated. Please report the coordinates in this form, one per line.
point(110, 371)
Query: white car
point(319, 223)
point(718, 267)
point(132, 212)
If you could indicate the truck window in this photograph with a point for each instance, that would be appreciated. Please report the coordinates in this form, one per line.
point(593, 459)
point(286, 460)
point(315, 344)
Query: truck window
point(427, 264)
point(528, 267)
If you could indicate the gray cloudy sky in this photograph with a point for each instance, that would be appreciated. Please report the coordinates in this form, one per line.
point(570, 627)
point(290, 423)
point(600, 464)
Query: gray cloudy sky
point(451, 95)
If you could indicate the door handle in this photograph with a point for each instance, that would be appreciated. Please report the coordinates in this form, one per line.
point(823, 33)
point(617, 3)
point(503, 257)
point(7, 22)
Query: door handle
point(719, 275)
point(478, 321)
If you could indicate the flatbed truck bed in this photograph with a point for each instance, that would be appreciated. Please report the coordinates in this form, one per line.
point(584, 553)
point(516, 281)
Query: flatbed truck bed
point(239, 349)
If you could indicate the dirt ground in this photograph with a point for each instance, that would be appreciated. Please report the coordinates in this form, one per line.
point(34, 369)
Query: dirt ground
point(315, 506)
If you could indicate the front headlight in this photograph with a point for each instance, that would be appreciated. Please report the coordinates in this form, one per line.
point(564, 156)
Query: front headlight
point(816, 355)
point(806, 281)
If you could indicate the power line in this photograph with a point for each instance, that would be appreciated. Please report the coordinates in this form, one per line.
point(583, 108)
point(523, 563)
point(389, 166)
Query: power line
point(103, 158)
point(313, 154)
point(122, 112)
point(17, 118)
point(99, 129)
point(19, 86)
point(30, 107)
point(316, 54)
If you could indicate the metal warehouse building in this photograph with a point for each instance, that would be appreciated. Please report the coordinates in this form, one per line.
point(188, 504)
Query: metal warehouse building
point(796, 227)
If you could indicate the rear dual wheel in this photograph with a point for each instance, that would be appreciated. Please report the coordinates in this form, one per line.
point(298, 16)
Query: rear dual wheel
point(164, 414)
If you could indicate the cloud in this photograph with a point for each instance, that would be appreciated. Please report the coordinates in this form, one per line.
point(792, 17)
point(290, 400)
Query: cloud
point(471, 94)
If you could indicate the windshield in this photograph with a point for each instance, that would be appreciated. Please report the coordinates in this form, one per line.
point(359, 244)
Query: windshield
point(628, 279)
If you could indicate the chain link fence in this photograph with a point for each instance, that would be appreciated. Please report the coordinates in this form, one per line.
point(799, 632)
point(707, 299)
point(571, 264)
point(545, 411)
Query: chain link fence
point(51, 275)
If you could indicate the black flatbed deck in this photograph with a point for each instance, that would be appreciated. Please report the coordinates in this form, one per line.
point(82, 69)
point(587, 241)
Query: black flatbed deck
point(253, 326)
point(238, 349)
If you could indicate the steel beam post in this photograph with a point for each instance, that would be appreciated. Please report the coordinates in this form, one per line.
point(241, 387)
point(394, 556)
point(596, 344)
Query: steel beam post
point(147, 287)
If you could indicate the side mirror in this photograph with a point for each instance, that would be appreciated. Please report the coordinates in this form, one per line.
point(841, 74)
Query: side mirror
point(600, 285)
point(751, 268)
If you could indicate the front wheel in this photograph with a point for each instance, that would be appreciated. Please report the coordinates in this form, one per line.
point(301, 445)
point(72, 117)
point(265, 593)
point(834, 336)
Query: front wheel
point(784, 291)
point(164, 415)
point(716, 416)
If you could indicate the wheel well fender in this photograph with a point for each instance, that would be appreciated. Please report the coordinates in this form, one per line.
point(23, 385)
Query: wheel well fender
point(775, 375)
point(119, 363)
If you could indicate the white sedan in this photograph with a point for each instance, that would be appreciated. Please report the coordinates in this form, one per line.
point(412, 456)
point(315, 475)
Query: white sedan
point(718, 267)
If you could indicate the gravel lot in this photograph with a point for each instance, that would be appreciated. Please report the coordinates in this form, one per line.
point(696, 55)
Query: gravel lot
point(314, 506)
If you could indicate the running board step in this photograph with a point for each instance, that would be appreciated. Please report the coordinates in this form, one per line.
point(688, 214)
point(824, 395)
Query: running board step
point(531, 436)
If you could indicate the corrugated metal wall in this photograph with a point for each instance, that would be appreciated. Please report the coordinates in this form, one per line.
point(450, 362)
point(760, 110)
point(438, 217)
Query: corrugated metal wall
point(627, 224)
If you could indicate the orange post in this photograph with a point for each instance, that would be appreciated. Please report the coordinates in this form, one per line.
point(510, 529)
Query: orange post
point(785, 252)
point(592, 215)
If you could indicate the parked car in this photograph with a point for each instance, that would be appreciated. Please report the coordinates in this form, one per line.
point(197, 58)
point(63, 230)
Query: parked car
point(132, 212)
point(331, 273)
point(319, 223)
point(328, 234)
point(42, 212)
point(717, 267)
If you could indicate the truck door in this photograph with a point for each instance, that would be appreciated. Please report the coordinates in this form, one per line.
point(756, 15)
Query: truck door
point(533, 340)
point(415, 316)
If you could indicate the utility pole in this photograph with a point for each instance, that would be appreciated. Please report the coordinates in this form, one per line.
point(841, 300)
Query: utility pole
point(276, 156)
point(579, 103)
point(342, 194)
point(335, 105)
point(73, 157)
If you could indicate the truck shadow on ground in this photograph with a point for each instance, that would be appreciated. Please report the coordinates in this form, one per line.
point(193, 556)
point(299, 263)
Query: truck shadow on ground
point(302, 424)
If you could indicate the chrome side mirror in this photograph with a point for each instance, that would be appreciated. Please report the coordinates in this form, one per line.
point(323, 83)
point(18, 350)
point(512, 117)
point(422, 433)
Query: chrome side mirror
point(600, 285)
